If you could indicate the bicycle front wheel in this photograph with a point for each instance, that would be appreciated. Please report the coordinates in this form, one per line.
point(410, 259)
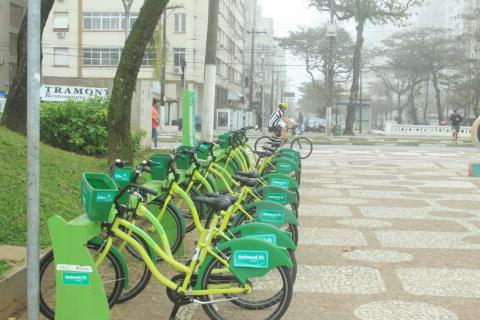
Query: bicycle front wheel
point(303, 145)
point(111, 274)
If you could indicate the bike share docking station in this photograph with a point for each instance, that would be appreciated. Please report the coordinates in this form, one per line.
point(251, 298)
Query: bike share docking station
point(80, 294)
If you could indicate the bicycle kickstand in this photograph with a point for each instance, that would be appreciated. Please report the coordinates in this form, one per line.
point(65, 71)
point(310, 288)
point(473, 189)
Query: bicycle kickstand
point(173, 314)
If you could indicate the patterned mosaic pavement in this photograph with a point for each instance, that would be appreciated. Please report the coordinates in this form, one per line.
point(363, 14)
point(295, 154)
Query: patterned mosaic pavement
point(387, 233)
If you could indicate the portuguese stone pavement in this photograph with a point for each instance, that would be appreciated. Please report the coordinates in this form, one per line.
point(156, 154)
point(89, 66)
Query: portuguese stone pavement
point(387, 233)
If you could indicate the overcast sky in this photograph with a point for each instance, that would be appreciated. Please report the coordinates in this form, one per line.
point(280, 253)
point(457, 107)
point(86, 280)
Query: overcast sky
point(287, 16)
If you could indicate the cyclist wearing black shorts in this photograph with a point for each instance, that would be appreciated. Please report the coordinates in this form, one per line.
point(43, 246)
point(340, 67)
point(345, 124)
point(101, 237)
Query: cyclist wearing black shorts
point(456, 120)
point(278, 122)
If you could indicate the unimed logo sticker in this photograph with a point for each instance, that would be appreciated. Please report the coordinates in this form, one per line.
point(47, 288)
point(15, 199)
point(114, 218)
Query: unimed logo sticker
point(268, 215)
point(277, 197)
point(76, 278)
point(251, 259)
point(279, 182)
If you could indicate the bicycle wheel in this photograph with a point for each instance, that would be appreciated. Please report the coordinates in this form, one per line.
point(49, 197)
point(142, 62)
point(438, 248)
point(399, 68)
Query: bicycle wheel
point(138, 273)
point(270, 298)
point(172, 221)
point(303, 145)
point(110, 273)
point(261, 142)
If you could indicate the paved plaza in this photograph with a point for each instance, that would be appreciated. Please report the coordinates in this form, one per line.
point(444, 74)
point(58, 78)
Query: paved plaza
point(387, 233)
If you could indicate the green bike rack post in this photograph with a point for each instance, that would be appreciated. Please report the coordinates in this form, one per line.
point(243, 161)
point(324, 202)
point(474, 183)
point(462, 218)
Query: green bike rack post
point(80, 293)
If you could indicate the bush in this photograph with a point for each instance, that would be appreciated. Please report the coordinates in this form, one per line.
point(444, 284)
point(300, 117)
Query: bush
point(76, 126)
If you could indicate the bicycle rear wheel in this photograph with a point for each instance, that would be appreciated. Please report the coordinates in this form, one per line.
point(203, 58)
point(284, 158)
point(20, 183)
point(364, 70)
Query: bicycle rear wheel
point(303, 145)
point(261, 142)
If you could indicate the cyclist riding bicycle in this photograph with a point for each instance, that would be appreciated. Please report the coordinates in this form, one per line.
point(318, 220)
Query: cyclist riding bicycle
point(278, 122)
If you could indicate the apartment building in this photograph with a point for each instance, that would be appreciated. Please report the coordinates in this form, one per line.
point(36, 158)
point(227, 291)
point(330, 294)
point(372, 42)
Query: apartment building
point(445, 14)
point(471, 28)
point(83, 41)
point(11, 15)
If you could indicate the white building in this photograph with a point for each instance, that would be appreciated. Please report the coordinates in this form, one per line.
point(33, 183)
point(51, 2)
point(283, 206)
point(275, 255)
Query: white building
point(471, 28)
point(83, 40)
point(11, 15)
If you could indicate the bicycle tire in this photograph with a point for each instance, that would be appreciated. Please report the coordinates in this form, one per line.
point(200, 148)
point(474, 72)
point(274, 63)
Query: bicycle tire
point(258, 146)
point(303, 145)
point(112, 296)
point(282, 298)
point(133, 291)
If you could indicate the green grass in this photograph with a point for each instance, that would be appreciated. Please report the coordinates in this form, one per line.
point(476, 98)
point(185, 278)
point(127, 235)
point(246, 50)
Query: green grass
point(59, 186)
point(4, 267)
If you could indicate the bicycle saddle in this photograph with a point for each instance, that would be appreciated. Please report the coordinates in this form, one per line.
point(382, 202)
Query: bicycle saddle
point(217, 204)
point(249, 182)
point(250, 174)
point(230, 197)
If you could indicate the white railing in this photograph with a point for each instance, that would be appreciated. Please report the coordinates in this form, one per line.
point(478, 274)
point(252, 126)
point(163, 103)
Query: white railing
point(392, 129)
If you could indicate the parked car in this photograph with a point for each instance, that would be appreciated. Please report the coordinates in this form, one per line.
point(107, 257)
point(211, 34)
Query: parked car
point(198, 123)
point(315, 125)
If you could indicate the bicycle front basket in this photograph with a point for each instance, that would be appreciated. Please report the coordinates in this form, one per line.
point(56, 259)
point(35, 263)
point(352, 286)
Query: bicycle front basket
point(160, 165)
point(98, 192)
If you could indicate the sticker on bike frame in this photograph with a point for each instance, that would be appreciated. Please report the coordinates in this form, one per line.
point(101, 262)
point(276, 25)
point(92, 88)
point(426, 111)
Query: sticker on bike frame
point(250, 259)
point(123, 176)
point(268, 238)
point(76, 278)
point(74, 268)
point(267, 215)
point(276, 197)
point(104, 197)
point(279, 182)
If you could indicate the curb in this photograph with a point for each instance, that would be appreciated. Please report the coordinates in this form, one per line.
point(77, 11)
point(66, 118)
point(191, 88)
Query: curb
point(13, 291)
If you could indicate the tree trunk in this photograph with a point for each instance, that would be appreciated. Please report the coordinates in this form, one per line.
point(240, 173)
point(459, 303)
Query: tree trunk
point(353, 99)
point(399, 109)
point(413, 111)
point(437, 96)
point(15, 113)
point(119, 112)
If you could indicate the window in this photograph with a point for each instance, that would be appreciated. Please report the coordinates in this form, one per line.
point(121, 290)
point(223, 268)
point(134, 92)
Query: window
point(60, 56)
point(150, 58)
point(101, 56)
point(178, 56)
point(180, 22)
point(16, 15)
point(115, 21)
point(13, 44)
point(60, 21)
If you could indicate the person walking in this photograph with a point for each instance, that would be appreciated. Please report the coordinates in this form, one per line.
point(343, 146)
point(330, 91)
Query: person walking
point(155, 122)
point(301, 125)
point(456, 119)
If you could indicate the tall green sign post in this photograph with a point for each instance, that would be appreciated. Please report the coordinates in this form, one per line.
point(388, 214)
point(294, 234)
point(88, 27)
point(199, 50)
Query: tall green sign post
point(189, 106)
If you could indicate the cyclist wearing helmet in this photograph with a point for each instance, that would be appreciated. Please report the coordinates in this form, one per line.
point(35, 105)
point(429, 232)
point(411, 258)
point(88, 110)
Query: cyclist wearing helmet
point(278, 122)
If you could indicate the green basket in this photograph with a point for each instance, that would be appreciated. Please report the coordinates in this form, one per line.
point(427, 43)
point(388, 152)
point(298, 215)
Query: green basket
point(160, 165)
point(224, 140)
point(203, 150)
point(122, 177)
point(98, 192)
point(184, 160)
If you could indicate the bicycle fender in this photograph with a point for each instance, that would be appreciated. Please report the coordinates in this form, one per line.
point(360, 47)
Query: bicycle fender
point(265, 232)
point(249, 258)
point(277, 194)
